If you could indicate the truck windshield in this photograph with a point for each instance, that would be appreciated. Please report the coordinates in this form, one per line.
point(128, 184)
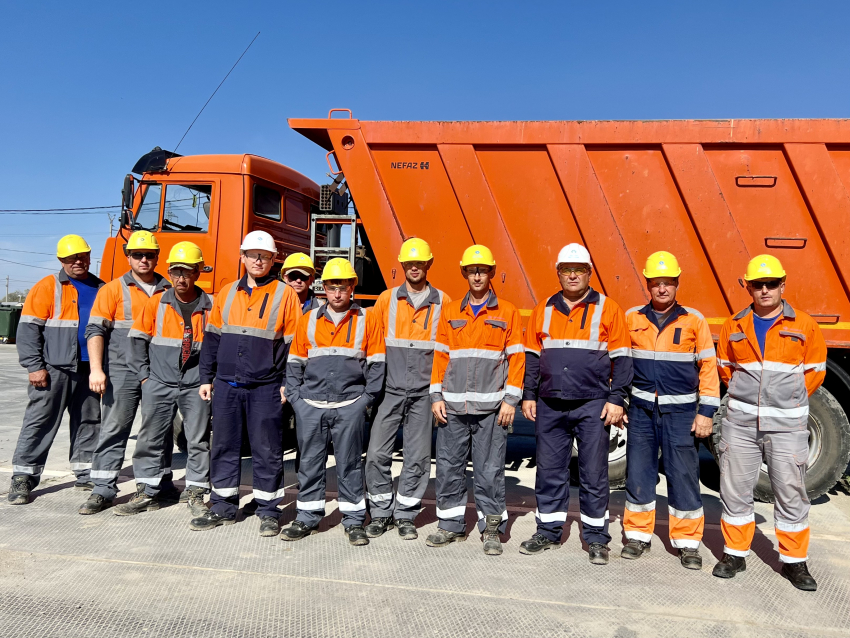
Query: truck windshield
point(186, 208)
point(147, 218)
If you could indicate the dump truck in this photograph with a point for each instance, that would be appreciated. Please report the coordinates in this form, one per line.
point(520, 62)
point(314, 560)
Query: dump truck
point(713, 192)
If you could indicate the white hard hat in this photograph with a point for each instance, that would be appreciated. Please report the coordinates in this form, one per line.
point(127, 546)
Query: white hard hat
point(258, 240)
point(574, 254)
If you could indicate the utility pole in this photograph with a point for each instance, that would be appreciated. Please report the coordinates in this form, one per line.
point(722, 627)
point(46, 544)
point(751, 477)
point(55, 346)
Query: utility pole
point(111, 219)
point(7, 287)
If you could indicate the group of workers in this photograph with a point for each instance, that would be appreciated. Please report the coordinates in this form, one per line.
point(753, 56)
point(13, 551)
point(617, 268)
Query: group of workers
point(265, 346)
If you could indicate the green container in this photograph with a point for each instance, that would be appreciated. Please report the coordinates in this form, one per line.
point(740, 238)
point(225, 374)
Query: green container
point(9, 318)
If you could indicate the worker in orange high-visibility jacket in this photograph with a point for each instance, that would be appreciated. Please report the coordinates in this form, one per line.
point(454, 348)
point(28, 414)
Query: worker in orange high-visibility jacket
point(167, 340)
point(116, 306)
point(772, 358)
point(334, 373)
point(409, 315)
point(248, 336)
point(52, 347)
point(476, 384)
point(578, 370)
point(675, 393)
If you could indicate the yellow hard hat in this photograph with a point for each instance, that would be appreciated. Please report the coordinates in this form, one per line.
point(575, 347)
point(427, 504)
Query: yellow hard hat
point(764, 267)
point(185, 252)
point(339, 268)
point(415, 249)
point(477, 255)
point(299, 261)
point(661, 264)
point(142, 239)
point(71, 245)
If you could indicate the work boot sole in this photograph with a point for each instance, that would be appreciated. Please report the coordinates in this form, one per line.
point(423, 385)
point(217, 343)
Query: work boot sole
point(456, 539)
point(598, 560)
point(284, 537)
point(204, 528)
point(86, 511)
point(409, 536)
point(358, 542)
point(269, 533)
point(493, 551)
point(120, 511)
point(695, 565)
point(528, 552)
point(630, 556)
point(21, 499)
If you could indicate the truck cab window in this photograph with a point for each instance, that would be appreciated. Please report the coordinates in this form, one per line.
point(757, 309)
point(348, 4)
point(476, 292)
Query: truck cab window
point(147, 217)
point(266, 202)
point(187, 208)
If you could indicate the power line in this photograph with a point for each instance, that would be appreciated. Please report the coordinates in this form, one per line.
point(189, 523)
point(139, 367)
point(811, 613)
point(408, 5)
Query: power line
point(31, 252)
point(46, 210)
point(27, 265)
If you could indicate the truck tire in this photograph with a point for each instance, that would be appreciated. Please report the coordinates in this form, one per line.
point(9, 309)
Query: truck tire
point(617, 458)
point(829, 446)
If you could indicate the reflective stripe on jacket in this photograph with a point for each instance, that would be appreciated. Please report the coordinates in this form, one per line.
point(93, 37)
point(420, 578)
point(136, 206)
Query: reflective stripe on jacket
point(47, 331)
point(157, 340)
point(117, 305)
point(678, 365)
point(248, 336)
point(329, 362)
point(583, 353)
point(773, 391)
point(478, 359)
point(409, 337)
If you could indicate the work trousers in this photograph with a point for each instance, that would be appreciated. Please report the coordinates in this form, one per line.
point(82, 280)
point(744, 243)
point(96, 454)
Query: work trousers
point(489, 443)
point(118, 407)
point(315, 428)
point(649, 430)
point(414, 415)
point(558, 423)
point(155, 442)
point(742, 449)
point(259, 410)
point(66, 390)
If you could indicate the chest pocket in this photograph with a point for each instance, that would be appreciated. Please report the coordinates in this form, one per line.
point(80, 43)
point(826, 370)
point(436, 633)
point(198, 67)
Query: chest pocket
point(739, 345)
point(793, 346)
point(496, 332)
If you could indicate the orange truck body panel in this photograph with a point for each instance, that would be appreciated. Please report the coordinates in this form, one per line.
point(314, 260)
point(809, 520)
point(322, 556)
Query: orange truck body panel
point(714, 193)
point(231, 213)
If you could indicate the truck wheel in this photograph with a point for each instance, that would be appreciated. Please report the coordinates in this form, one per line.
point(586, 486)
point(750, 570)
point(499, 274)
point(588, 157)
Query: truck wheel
point(829, 446)
point(617, 458)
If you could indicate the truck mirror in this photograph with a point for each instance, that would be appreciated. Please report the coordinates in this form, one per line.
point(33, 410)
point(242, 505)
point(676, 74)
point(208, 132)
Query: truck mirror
point(127, 192)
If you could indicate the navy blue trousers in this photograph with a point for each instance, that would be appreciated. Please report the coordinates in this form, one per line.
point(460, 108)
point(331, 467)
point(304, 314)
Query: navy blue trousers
point(558, 423)
point(260, 409)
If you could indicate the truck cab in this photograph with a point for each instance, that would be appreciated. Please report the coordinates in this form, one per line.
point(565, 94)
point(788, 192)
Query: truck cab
point(213, 201)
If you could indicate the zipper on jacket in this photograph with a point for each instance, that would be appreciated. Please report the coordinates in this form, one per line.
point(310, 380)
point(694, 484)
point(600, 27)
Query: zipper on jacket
point(350, 323)
point(427, 316)
point(584, 316)
point(263, 307)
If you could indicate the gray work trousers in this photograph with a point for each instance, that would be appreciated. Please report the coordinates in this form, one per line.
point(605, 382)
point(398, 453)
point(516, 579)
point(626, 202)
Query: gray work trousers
point(315, 428)
point(155, 442)
point(786, 453)
point(119, 405)
point(414, 415)
point(489, 443)
point(66, 390)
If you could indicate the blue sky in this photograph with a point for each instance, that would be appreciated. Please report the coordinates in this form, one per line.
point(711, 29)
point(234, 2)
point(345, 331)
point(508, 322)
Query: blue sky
point(85, 89)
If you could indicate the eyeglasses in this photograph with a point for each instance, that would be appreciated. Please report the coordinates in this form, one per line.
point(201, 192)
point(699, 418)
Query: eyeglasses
point(476, 270)
point(335, 288)
point(772, 284)
point(570, 270)
point(415, 264)
point(141, 256)
point(258, 257)
point(181, 273)
point(668, 283)
point(72, 259)
point(297, 276)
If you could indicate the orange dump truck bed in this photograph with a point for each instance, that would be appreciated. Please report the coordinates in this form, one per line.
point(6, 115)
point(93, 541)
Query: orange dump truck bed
point(715, 193)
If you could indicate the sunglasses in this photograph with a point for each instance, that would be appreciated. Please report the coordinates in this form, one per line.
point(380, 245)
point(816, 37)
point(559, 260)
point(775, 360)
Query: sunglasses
point(141, 256)
point(569, 270)
point(773, 284)
point(297, 276)
point(258, 257)
point(72, 259)
point(180, 273)
point(476, 270)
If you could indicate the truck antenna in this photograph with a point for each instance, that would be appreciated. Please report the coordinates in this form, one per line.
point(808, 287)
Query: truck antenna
point(214, 92)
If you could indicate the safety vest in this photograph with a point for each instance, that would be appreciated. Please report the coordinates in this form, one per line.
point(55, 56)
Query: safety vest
point(771, 391)
point(478, 359)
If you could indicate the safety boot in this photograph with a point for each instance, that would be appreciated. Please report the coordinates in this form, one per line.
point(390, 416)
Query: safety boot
point(729, 566)
point(377, 526)
point(490, 536)
point(297, 530)
point(19, 491)
point(356, 535)
point(84, 486)
point(598, 554)
point(443, 537)
point(140, 502)
point(690, 558)
point(195, 500)
point(634, 549)
point(406, 529)
point(94, 504)
point(537, 544)
point(269, 526)
point(798, 574)
point(210, 520)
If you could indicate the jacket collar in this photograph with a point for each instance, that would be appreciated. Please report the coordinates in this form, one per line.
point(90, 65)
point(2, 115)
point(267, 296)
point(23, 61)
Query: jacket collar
point(323, 310)
point(170, 297)
point(433, 295)
point(787, 311)
point(262, 281)
point(557, 300)
point(65, 279)
point(492, 301)
point(161, 283)
point(678, 310)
